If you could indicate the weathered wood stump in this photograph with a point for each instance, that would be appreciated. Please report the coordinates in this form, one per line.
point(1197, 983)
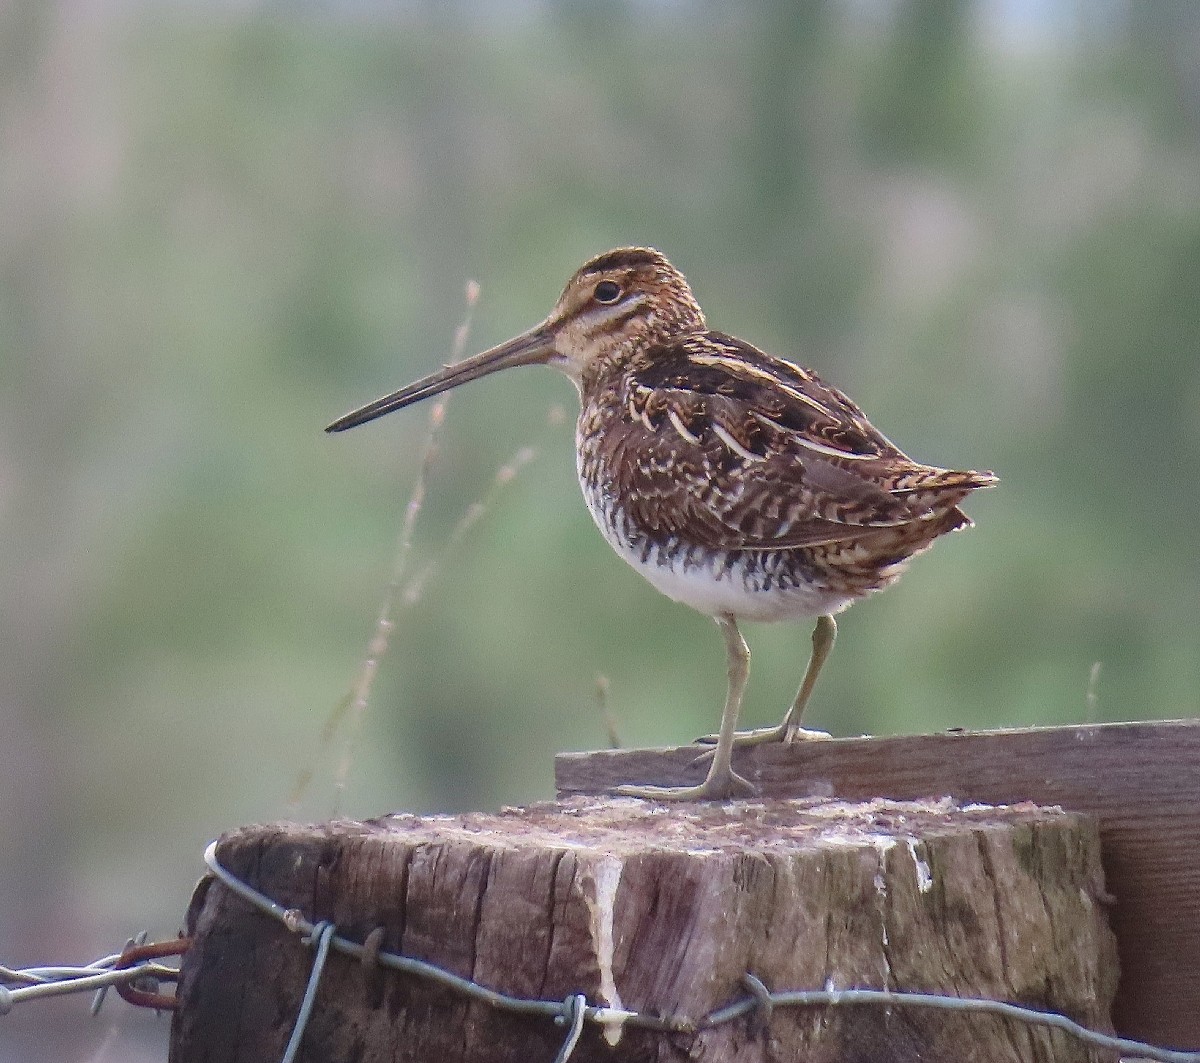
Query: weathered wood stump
point(660, 909)
point(1139, 781)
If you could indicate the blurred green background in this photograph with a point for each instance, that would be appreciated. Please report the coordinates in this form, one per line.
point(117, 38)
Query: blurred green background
point(223, 225)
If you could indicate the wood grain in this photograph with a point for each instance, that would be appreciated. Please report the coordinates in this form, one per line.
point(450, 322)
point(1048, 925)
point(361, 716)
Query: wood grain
point(1140, 780)
point(665, 908)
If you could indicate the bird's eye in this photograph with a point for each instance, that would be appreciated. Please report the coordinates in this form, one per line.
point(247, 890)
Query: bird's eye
point(607, 292)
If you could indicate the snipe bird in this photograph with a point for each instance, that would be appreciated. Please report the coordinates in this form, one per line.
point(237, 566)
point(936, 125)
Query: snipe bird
point(734, 481)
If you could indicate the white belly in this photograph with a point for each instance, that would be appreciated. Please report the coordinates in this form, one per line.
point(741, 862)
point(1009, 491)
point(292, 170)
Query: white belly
point(748, 585)
point(714, 590)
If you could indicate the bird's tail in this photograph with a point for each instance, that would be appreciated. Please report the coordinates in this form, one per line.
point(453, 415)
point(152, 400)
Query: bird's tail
point(930, 490)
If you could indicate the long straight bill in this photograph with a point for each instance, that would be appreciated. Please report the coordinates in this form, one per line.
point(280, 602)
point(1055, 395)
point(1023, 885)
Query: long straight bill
point(534, 347)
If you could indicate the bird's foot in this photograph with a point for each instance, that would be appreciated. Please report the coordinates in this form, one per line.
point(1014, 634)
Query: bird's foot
point(780, 733)
point(719, 786)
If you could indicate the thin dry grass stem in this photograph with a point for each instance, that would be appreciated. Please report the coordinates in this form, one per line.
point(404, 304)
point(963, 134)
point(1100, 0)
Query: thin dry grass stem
point(361, 687)
point(1093, 693)
point(415, 587)
point(471, 516)
point(354, 703)
point(606, 713)
point(504, 476)
point(305, 776)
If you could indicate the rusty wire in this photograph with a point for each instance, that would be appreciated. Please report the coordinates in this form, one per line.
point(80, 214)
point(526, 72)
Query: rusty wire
point(133, 972)
point(574, 1011)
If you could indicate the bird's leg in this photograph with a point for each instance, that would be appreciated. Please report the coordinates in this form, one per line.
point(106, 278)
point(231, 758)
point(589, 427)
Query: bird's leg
point(788, 730)
point(721, 781)
point(823, 637)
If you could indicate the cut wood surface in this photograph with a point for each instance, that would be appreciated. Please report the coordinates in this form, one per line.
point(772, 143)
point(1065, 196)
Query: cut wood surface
point(1140, 780)
point(660, 909)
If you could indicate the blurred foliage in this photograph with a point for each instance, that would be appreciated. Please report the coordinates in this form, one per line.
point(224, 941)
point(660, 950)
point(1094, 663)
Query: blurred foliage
point(222, 227)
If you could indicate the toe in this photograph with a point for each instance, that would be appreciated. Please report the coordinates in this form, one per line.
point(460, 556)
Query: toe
point(804, 734)
point(721, 787)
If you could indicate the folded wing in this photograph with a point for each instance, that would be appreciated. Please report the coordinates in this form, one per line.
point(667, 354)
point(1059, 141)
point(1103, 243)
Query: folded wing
point(720, 444)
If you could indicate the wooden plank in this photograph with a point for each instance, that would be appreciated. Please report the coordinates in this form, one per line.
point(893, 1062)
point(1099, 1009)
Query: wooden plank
point(1140, 780)
point(660, 911)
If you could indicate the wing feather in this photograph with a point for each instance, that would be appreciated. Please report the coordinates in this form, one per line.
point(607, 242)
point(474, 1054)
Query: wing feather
point(716, 443)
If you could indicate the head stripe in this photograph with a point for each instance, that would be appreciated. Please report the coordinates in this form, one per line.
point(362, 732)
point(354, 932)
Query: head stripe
point(624, 258)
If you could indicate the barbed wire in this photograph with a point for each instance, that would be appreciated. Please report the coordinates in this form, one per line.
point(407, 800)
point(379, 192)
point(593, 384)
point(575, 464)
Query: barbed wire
point(575, 1010)
point(133, 972)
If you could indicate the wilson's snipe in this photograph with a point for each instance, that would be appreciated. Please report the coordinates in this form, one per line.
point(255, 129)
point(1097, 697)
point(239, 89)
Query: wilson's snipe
point(734, 481)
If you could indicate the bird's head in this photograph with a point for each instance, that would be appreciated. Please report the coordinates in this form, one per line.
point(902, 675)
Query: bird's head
point(615, 304)
point(628, 299)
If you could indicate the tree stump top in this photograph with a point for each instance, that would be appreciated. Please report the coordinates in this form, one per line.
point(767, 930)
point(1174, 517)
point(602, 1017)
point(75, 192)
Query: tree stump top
point(660, 909)
point(624, 825)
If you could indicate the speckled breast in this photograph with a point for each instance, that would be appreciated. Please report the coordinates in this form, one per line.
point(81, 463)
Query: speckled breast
point(762, 585)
